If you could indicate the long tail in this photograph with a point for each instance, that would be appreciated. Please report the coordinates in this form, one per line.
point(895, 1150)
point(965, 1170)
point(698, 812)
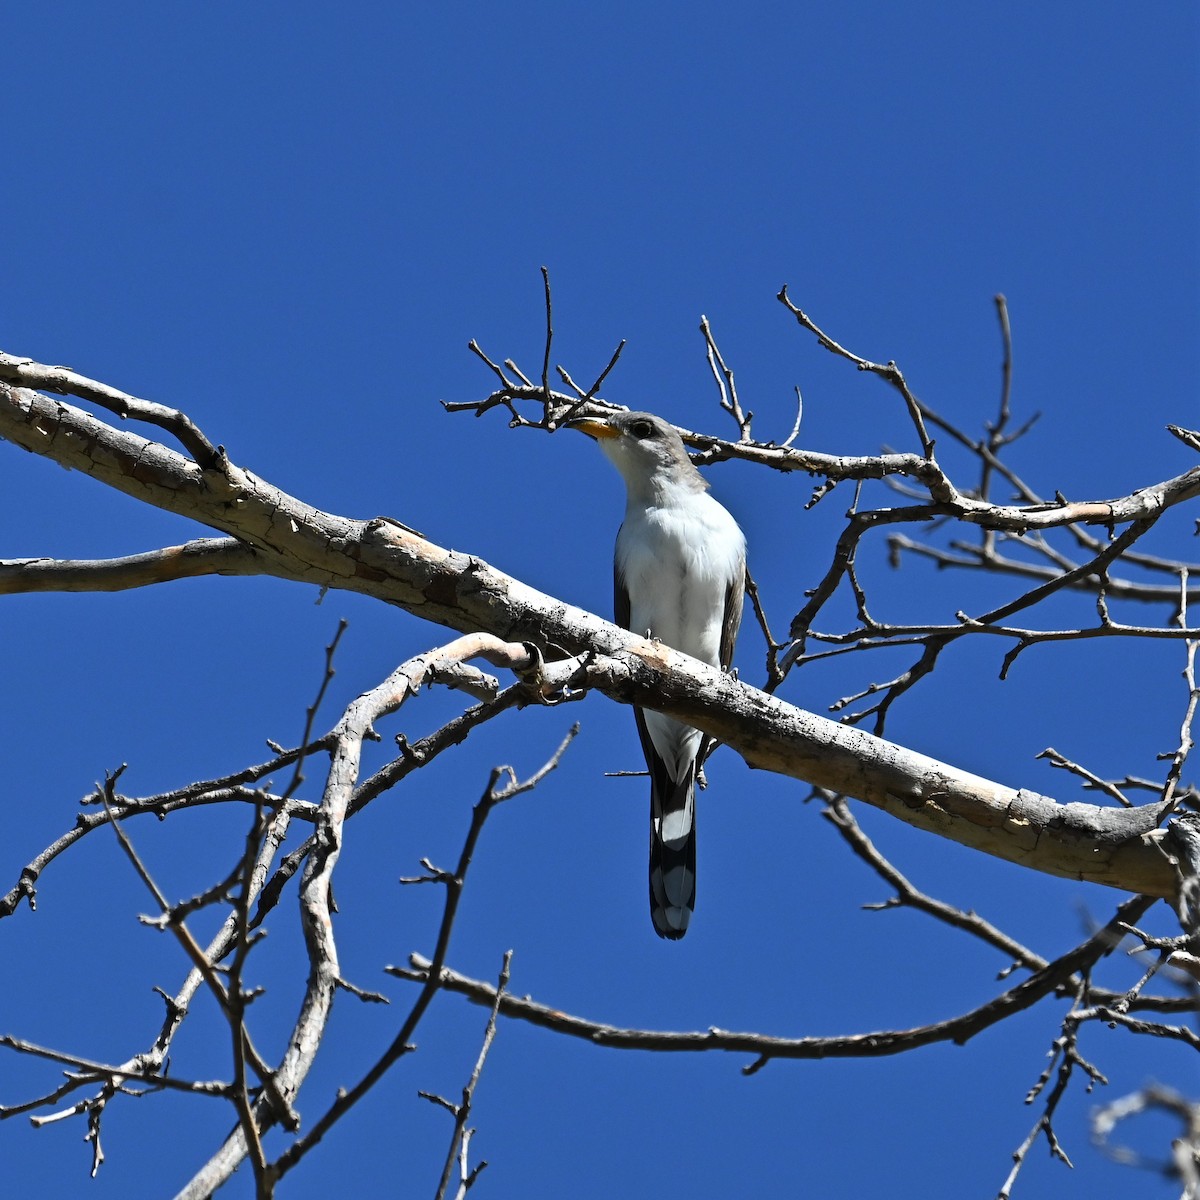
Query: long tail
point(672, 851)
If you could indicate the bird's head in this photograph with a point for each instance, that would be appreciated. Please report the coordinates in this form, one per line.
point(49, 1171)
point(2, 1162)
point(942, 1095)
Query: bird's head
point(647, 451)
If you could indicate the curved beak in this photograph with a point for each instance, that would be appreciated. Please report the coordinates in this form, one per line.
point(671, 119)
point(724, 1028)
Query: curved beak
point(594, 427)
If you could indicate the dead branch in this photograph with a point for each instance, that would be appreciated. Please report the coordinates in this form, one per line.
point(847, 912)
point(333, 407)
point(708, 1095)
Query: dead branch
point(765, 1048)
point(355, 726)
point(382, 559)
point(204, 556)
point(496, 793)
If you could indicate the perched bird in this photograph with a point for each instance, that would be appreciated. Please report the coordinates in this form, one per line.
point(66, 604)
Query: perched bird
point(679, 576)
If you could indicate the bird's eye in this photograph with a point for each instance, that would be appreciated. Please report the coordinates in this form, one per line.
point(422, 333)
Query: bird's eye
point(641, 429)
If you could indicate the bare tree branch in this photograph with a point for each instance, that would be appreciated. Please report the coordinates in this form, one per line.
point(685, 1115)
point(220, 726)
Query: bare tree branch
point(27, 373)
point(1184, 1164)
point(558, 654)
point(860, 1045)
point(356, 724)
point(495, 793)
point(204, 556)
point(380, 558)
point(461, 1112)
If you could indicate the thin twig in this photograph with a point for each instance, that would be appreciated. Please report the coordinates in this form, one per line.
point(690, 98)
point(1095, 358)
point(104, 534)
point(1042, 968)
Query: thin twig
point(461, 1112)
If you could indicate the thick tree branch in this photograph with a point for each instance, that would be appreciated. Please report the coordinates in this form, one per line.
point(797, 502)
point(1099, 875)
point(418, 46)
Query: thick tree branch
point(381, 558)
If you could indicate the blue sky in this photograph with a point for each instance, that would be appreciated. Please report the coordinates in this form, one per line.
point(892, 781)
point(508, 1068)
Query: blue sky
point(289, 221)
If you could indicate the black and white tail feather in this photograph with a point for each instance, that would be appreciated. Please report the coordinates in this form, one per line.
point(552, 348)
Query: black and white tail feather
point(672, 841)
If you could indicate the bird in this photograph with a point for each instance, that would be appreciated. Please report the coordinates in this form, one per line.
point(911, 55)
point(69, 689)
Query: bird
point(679, 574)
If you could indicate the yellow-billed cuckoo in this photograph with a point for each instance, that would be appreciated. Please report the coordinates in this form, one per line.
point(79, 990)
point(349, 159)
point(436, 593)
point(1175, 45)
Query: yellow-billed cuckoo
point(679, 576)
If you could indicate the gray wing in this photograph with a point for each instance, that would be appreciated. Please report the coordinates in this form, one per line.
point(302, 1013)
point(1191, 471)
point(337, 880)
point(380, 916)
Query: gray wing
point(734, 597)
point(620, 594)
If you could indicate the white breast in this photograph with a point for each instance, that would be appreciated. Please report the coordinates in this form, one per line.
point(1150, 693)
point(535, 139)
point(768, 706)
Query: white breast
point(677, 563)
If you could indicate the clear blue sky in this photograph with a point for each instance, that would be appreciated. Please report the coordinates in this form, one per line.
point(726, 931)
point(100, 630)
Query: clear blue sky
point(289, 220)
